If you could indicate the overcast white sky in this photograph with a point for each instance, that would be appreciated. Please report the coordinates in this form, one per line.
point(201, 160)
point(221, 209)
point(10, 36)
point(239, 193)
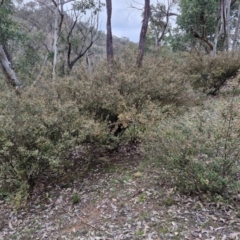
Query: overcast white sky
point(126, 22)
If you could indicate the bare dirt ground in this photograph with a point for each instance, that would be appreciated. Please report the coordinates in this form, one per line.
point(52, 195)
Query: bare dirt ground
point(124, 199)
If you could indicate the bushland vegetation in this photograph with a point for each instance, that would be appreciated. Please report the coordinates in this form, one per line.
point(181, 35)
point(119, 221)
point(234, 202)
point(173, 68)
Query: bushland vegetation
point(163, 107)
point(178, 102)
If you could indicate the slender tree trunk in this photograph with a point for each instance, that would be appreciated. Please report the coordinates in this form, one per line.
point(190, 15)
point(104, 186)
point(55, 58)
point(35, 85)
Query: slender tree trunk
point(217, 30)
point(55, 40)
point(109, 42)
point(223, 20)
point(89, 62)
point(7, 69)
point(163, 32)
point(156, 45)
point(236, 30)
point(228, 5)
point(142, 40)
point(168, 14)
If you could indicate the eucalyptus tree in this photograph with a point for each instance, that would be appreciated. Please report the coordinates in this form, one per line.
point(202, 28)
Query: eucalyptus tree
point(160, 20)
point(35, 48)
point(74, 30)
point(197, 19)
point(234, 44)
point(209, 21)
point(81, 32)
point(227, 23)
point(56, 7)
point(7, 32)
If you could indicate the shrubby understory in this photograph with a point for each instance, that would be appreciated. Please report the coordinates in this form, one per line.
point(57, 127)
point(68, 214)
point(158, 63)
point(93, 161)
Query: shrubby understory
point(195, 142)
point(199, 152)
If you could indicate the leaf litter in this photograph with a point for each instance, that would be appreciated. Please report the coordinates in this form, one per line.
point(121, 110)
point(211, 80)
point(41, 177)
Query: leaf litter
point(123, 200)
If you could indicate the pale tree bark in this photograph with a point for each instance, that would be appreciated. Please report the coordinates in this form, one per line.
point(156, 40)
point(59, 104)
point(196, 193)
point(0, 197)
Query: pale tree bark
point(55, 40)
point(109, 41)
point(217, 30)
point(228, 6)
point(234, 45)
point(142, 40)
point(58, 11)
point(156, 45)
point(90, 61)
point(223, 20)
point(8, 71)
point(73, 25)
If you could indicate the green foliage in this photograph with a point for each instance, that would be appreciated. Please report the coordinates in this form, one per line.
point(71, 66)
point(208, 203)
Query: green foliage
point(208, 73)
point(178, 40)
point(193, 12)
point(40, 129)
point(84, 6)
point(199, 152)
point(6, 22)
point(22, 45)
point(100, 110)
point(198, 17)
point(76, 198)
point(122, 97)
point(28, 63)
point(37, 133)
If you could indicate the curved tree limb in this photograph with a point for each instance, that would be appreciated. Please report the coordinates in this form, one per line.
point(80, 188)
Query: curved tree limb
point(196, 35)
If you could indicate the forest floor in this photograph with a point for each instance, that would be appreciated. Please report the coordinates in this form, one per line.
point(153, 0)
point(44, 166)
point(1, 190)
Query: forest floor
point(124, 199)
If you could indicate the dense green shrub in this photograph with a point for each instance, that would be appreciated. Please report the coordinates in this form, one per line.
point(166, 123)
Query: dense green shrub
point(199, 152)
point(101, 109)
point(209, 73)
point(37, 132)
point(105, 95)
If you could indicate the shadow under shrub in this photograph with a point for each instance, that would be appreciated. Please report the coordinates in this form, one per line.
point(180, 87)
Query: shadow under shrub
point(199, 153)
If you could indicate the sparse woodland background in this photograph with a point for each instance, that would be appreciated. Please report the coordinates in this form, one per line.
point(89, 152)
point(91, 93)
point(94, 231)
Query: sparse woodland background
point(65, 85)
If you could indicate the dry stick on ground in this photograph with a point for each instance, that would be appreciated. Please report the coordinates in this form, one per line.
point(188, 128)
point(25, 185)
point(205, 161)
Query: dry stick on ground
point(88, 224)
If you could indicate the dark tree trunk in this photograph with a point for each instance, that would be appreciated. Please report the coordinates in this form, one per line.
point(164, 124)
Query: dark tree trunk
point(143, 33)
point(109, 42)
